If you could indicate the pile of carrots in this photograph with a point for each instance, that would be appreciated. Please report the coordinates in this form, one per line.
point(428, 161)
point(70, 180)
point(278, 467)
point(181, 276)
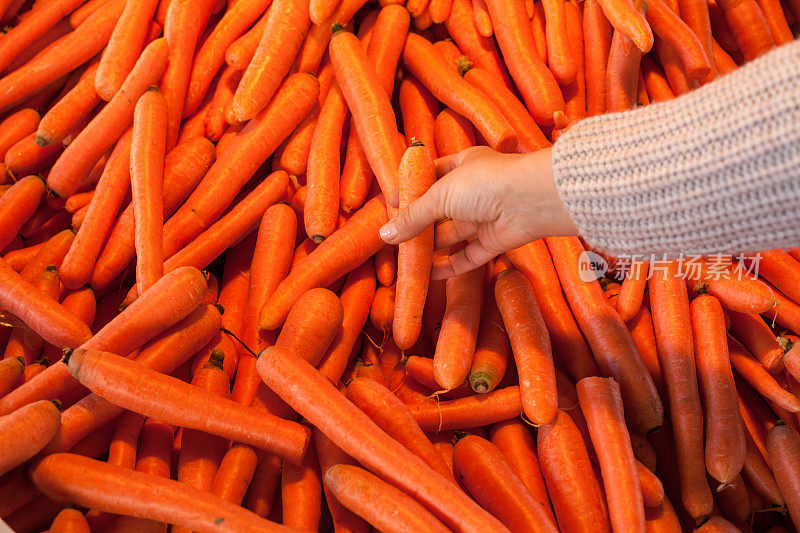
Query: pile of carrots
point(202, 328)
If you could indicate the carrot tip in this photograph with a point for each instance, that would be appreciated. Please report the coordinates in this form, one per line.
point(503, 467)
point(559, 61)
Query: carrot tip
point(463, 64)
point(51, 268)
point(56, 403)
point(317, 238)
point(67, 355)
point(337, 27)
point(41, 141)
point(417, 143)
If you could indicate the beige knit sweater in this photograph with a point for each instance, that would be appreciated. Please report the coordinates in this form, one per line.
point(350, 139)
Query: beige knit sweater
point(716, 171)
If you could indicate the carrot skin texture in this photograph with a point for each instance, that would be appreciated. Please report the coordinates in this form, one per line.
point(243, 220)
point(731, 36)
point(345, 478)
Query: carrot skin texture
point(75, 478)
point(783, 445)
point(471, 411)
point(26, 431)
point(281, 371)
point(601, 402)
point(530, 344)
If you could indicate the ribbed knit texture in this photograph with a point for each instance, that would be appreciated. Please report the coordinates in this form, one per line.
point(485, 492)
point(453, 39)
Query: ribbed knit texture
point(714, 171)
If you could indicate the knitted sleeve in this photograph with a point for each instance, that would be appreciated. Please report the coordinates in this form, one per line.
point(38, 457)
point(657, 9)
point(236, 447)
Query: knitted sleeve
point(715, 171)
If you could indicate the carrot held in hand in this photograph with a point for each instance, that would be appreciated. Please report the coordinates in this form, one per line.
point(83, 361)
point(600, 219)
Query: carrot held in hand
point(135, 387)
point(601, 403)
point(147, 177)
point(109, 124)
point(74, 478)
point(26, 431)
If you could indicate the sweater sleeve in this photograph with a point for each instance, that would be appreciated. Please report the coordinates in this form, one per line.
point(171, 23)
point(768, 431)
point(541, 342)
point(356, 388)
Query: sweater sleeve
point(715, 171)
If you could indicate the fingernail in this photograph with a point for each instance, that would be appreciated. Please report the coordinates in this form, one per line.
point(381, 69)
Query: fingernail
point(388, 232)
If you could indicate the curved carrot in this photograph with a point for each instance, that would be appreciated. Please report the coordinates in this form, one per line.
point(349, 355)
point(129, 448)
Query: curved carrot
point(90, 238)
point(69, 521)
point(393, 417)
point(385, 43)
point(655, 80)
point(214, 120)
point(74, 478)
point(164, 354)
point(749, 27)
point(16, 127)
point(601, 403)
point(479, 48)
point(317, 400)
point(422, 59)
point(26, 157)
point(575, 493)
point(759, 339)
point(17, 205)
point(211, 54)
point(513, 31)
point(147, 175)
point(695, 14)
point(611, 343)
point(757, 376)
point(245, 153)
point(378, 502)
point(326, 263)
point(182, 404)
point(184, 167)
point(530, 344)
point(630, 296)
point(123, 48)
point(725, 443)
point(109, 124)
point(287, 24)
point(240, 52)
point(669, 26)
point(783, 446)
point(629, 19)
point(26, 431)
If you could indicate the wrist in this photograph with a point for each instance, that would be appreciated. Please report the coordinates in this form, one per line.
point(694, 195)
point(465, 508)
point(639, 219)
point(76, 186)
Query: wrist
point(551, 215)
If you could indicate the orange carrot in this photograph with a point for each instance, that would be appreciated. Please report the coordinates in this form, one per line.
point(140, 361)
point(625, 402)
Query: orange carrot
point(630, 296)
point(455, 347)
point(312, 324)
point(287, 24)
point(147, 175)
point(757, 376)
point(481, 467)
point(16, 127)
point(759, 339)
point(214, 119)
point(22, 341)
point(576, 494)
point(629, 19)
point(112, 187)
point(109, 124)
point(386, 265)
point(74, 478)
point(783, 445)
point(184, 167)
point(515, 37)
point(17, 205)
point(326, 263)
point(471, 411)
point(622, 73)
point(452, 133)
point(321, 10)
point(247, 150)
point(381, 314)
point(124, 47)
point(70, 521)
point(385, 43)
point(26, 157)
point(419, 109)
point(183, 26)
point(655, 80)
point(11, 370)
point(695, 14)
point(672, 322)
point(26, 431)
point(317, 400)
point(235, 473)
point(240, 52)
point(608, 337)
point(483, 21)
point(601, 402)
point(301, 494)
point(669, 26)
point(748, 26)
point(421, 58)
point(530, 344)
point(184, 405)
point(492, 350)
point(211, 54)
point(561, 60)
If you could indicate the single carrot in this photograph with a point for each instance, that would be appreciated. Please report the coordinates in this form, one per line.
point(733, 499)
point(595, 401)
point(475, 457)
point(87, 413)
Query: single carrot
point(386, 265)
point(672, 322)
point(560, 58)
point(317, 400)
point(723, 60)
point(320, 11)
point(313, 322)
point(695, 14)
point(455, 347)
point(75, 478)
point(574, 491)
point(629, 19)
point(530, 345)
point(759, 475)
point(183, 404)
point(301, 494)
point(622, 73)
point(669, 26)
point(326, 264)
point(78, 200)
point(655, 80)
point(90, 238)
point(385, 43)
point(235, 473)
point(518, 446)
point(286, 26)
point(783, 445)
point(482, 18)
point(381, 314)
point(52, 252)
point(183, 26)
point(163, 354)
point(759, 339)
point(26, 157)
point(23, 342)
point(80, 15)
point(471, 411)
point(247, 150)
point(124, 47)
point(755, 374)
point(214, 118)
point(211, 54)
point(515, 37)
point(421, 58)
point(17, 205)
point(148, 146)
point(725, 443)
point(492, 349)
point(749, 27)
point(26, 431)
point(381, 504)
point(16, 127)
point(184, 167)
point(419, 109)
point(633, 287)
point(601, 402)
point(479, 48)
point(109, 124)
point(356, 298)
point(69, 521)
point(452, 133)
point(11, 370)
point(611, 343)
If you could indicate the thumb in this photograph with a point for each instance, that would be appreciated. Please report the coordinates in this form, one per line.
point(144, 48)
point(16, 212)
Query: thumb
point(415, 217)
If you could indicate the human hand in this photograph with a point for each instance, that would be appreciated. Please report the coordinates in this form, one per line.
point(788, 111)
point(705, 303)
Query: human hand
point(496, 201)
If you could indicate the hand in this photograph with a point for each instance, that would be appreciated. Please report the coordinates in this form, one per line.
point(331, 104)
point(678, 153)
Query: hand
point(496, 201)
